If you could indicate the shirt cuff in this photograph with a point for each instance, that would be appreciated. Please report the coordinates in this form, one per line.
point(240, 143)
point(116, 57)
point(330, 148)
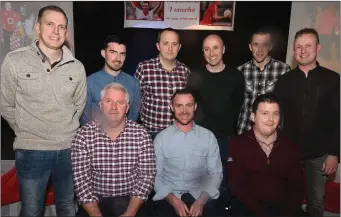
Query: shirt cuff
point(212, 191)
point(160, 195)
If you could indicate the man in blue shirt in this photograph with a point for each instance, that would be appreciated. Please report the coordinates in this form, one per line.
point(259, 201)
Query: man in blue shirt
point(114, 54)
point(189, 169)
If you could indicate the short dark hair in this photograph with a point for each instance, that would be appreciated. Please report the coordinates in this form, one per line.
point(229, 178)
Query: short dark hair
point(269, 98)
point(260, 31)
point(167, 29)
point(51, 8)
point(113, 39)
point(183, 92)
point(307, 31)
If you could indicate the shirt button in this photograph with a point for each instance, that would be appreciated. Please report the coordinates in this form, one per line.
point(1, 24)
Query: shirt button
point(43, 61)
point(70, 78)
point(28, 75)
point(48, 70)
point(259, 83)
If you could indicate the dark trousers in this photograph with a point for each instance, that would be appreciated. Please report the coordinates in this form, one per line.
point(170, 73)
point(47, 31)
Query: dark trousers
point(239, 209)
point(224, 198)
point(111, 206)
point(163, 208)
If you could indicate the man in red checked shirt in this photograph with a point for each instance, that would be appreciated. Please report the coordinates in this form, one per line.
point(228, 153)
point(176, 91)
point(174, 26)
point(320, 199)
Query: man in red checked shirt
point(211, 14)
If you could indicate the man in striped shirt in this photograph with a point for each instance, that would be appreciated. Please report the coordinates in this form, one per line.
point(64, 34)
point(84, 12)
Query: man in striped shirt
point(159, 78)
point(260, 73)
point(113, 159)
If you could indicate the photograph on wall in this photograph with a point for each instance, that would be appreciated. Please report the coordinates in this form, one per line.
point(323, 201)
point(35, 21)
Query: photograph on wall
point(17, 21)
point(144, 10)
point(216, 13)
point(196, 15)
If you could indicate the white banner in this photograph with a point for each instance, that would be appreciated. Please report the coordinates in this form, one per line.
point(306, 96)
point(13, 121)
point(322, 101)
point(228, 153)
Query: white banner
point(199, 15)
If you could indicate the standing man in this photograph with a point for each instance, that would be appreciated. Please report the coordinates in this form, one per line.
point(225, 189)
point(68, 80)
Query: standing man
point(114, 53)
point(113, 159)
point(43, 93)
point(219, 90)
point(260, 73)
point(264, 168)
point(311, 108)
point(159, 78)
point(189, 170)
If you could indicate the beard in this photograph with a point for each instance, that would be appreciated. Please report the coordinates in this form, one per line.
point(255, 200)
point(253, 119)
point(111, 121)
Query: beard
point(181, 121)
point(113, 67)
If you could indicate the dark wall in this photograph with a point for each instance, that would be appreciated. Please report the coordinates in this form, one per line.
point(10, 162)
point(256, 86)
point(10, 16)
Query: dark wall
point(93, 21)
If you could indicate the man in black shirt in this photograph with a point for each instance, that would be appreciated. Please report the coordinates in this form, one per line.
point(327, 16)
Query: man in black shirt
point(310, 95)
point(219, 91)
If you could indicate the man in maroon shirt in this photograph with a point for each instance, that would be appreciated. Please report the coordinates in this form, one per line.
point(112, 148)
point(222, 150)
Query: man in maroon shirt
point(264, 169)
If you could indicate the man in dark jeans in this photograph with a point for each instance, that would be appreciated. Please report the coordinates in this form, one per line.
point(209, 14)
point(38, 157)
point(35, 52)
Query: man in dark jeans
point(310, 95)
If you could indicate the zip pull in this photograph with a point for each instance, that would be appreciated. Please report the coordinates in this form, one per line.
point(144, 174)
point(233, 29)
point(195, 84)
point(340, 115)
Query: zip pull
point(268, 161)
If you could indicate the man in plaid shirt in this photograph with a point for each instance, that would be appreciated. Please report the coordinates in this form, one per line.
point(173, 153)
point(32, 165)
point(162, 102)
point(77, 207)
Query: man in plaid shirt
point(113, 159)
point(159, 78)
point(260, 73)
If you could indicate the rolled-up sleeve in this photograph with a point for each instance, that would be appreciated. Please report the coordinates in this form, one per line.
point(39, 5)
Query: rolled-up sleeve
point(146, 169)
point(214, 169)
point(81, 167)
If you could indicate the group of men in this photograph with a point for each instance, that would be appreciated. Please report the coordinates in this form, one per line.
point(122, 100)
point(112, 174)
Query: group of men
point(186, 146)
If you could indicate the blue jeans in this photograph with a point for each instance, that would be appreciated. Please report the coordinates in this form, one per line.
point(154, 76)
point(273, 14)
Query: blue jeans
point(34, 169)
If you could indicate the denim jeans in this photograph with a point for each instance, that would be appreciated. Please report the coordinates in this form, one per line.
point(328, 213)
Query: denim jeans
point(34, 169)
point(315, 185)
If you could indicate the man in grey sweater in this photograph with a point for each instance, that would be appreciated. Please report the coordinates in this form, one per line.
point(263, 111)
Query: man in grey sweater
point(43, 93)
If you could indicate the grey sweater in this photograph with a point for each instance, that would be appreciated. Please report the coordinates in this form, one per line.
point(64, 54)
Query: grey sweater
point(42, 104)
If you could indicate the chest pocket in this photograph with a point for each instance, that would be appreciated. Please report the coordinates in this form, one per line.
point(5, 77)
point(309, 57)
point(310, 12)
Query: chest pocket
point(198, 159)
point(173, 159)
point(270, 86)
point(30, 82)
point(65, 87)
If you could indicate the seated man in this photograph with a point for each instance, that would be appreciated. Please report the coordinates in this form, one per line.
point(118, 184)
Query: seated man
point(189, 170)
point(264, 169)
point(113, 159)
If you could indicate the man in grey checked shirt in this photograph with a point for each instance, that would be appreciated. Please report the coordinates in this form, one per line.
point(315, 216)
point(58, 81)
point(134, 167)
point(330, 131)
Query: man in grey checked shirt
point(189, 169)
point(260, 73)
point(113, 160)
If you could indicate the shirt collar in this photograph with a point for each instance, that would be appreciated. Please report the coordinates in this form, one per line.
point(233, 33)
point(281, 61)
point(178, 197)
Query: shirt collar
point(175, 129)
point(66, 56)
point(269, 64)
point(100, 127)
point(118, 76)
point(158, 62)
point(310, 71)
point(44, 56)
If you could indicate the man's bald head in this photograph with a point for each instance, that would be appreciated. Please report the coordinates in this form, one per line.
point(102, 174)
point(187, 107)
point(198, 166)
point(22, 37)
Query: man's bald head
point(213, 37)
point(213, 48)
